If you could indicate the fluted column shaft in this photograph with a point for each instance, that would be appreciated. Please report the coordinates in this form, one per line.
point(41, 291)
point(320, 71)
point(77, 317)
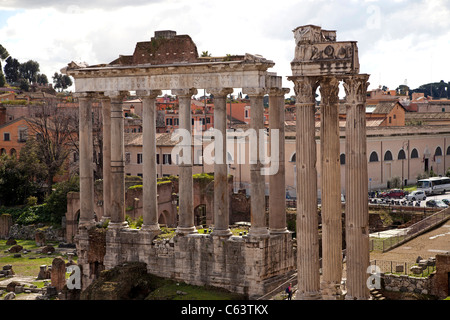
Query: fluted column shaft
point(356, 180)
point(117, 161)
point(186, 213)
point(277, 184)
point(86, 160)
point(331, 188)
point(221, 194)
point(106, 150)
point(258, 227)
point(149, 191)
point(307, 218)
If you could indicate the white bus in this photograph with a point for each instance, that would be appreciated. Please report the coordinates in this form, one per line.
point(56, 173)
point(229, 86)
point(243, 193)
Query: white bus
point(434, 185)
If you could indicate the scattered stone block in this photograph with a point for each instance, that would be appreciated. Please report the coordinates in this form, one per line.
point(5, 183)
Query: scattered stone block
point(15, 249)
point(43, 273)
point(39, 237)
point(48, 250)
point(58, 274)
point(416, 269)
point(10, 296)
point(11, 242)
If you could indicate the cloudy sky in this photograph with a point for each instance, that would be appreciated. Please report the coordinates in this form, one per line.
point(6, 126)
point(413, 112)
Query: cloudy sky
point(399, 41)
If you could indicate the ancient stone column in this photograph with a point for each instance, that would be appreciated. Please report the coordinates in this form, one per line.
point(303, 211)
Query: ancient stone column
point(221, 195)
point(356, 180)
point(258, 227)
point(307, 217)
point(186, 213)
point(106, 150)
point(331, 188)
point(117, 161)
point(86, 160)
point(277, 185)
point(149, 191)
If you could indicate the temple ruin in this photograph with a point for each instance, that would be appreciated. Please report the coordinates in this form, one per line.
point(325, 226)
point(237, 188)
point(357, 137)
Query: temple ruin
point(256, 263)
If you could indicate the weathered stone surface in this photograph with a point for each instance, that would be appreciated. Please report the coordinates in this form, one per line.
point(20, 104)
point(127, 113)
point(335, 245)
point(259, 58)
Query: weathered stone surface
point(39, 237)
point(5, 224)
point(10, 296)
point(48, 249)
point(11, 242)
point(58, 274)
point(15, 249)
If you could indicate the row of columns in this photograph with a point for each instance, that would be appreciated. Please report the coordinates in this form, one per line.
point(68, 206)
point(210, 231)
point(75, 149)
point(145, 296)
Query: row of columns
point(114, 162)
point(311, 285)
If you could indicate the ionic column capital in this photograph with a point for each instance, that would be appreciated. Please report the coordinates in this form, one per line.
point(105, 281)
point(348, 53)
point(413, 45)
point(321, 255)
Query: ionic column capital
point(356, 88)
point(278, 91)
point(220, 92)
point(254, 92)
point(184, 92)
point(152, 94)
point(86, 95)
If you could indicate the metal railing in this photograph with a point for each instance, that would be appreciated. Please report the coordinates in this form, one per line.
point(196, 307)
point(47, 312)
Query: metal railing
point(416, 229)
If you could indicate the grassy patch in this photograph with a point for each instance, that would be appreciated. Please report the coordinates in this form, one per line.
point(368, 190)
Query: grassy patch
point(28, 264)
point(181, 291)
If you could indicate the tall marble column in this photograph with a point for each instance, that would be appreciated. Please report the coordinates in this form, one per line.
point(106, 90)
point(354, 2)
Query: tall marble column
point(221, 192)
point(258, 227)
point(106, 146)
point(86, 160)
point(331, 189)
point(356, 180)
point(149, 191)
point(277, 185)
point(186, 213)
point(307, 216)
point(117, 161)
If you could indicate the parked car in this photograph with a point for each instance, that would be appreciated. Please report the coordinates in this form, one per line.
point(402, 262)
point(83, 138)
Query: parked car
point(446, 201)
point(393, 193)
point(435, 204)
point(416, 195)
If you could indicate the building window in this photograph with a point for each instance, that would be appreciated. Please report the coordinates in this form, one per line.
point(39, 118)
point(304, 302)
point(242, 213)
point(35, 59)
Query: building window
point(373, 157)
point(6, 136)
point(388, 156)
point(139, 158)
point(401, 155)
point(23, 135)
point(167, 158)
point(342, 158)
point(157, 158)
point(438, 152)
point(127, 157)
point(414, 154)
point(448, 151)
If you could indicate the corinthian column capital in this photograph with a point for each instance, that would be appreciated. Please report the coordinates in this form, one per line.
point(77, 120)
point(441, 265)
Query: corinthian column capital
point(329, 90)
point(305, 89)
point(356, 88)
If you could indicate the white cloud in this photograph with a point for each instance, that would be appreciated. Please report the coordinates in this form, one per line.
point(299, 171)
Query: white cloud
point(397, 40)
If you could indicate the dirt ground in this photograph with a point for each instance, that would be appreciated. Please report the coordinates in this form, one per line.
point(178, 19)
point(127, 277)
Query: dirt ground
point(426, 245)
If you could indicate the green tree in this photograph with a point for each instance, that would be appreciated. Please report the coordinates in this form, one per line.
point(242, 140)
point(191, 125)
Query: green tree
point(2, 77)
point(206, 54)
point(61, 81)
point(11, 69)
point(15, 187)
point(42, 79)
point(52, 127)
point(29, 70)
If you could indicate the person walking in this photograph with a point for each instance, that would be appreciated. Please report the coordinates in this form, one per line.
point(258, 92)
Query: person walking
point(289, 291)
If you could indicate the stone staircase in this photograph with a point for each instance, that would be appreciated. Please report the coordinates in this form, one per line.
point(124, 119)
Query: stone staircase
point(376, 295)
